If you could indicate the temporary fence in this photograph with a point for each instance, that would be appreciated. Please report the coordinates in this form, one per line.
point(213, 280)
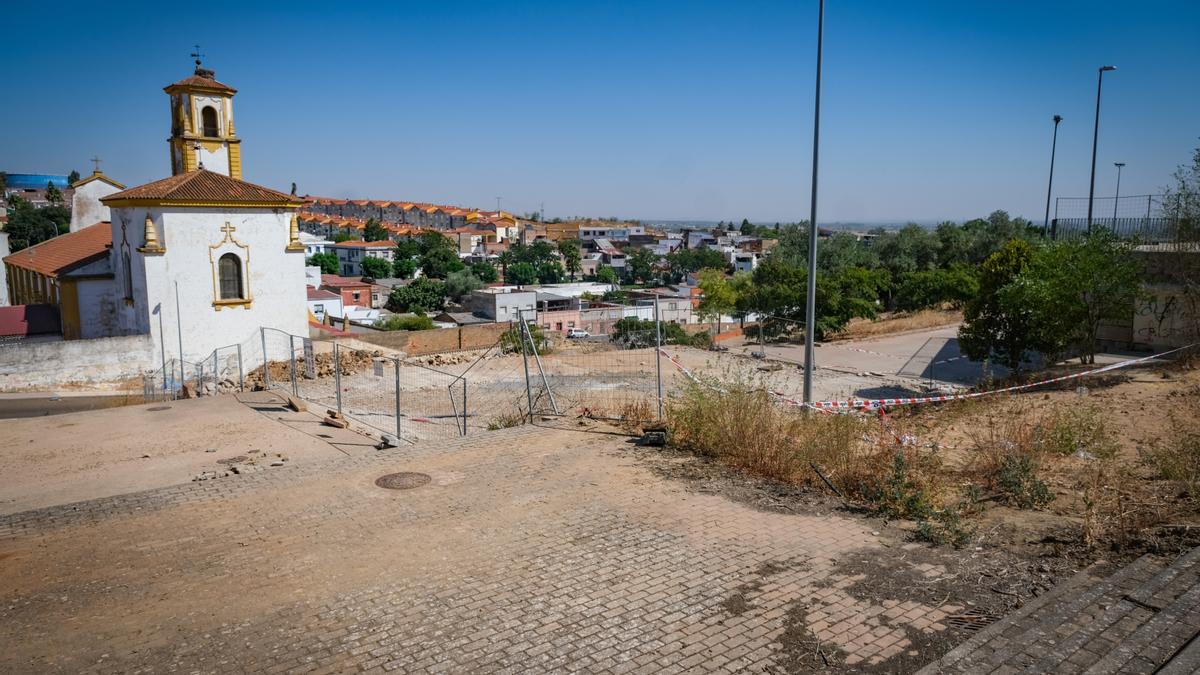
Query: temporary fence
point(222, 370)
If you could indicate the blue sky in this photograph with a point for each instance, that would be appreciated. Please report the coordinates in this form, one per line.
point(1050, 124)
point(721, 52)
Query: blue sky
point(684, 110)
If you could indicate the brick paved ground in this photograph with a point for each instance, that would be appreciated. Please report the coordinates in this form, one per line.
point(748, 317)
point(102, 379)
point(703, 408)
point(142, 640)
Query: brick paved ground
point(531, 550)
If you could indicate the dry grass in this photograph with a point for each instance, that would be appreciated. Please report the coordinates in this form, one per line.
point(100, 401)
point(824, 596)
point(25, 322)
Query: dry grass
point(635, 415)
point(897, 323)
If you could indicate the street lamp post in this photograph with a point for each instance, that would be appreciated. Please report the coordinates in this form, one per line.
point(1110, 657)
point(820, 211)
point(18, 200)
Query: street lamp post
point(1117, 198)
point(810, 306)
point(1095, 140)
point(1050, 186)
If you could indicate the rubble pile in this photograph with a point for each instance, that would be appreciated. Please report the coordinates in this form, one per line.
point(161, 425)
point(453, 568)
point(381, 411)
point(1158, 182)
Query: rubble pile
point(352, 361)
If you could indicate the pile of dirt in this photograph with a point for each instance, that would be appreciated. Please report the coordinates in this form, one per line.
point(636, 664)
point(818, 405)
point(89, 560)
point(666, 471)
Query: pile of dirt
point(352, 361)
point(439, 360)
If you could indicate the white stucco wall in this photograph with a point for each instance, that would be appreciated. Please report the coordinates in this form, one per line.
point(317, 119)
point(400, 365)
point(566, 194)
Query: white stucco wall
point(273, 278)
point(110, 363)
point(86, 208)
point(4, 251)
point(214, 160)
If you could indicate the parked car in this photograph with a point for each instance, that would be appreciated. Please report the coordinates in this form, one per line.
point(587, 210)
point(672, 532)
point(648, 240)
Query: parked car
point(577, 334)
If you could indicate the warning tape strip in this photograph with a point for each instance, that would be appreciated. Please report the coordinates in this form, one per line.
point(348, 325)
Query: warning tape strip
point(874, 403)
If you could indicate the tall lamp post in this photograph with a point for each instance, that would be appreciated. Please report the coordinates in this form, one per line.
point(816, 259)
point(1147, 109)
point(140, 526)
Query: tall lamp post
point(1117, 198)
point(1095, 140)
point(810, 306)
point(1050, 187)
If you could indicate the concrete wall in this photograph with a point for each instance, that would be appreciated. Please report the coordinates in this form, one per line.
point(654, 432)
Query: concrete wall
point(109, 363)
point(419, 342)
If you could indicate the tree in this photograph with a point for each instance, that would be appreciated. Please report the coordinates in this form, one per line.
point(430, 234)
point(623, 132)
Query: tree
point(505, 259)
point(1073, 286)
point(73, 177)
point(931, 288)
point(842, 251)
point(328, 262)
point(397, 322)
point(683, 261)
point(550, 273)
point(343, 236)
point(640, 264)
point(376, 268)
point(572, 259)
point(53, 194)
point(28, 225)
point(993, 325)
point(460, 284)
point(424, 295)
point(485, 272)
point(747, 228)
point(719, 296)
point(404, 268)
point(373, 231)
point(440, 263)
point(521, 274)
point(1180, 268)
point(606, 275)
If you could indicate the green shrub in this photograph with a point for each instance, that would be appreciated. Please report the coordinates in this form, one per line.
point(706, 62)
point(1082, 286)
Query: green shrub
point(1018, 482)
point(397, 322)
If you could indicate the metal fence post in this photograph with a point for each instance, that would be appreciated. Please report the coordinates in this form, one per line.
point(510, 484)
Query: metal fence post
point(525, 360)
point(216, 369)
point(658, 356)
point(337, 375)
point(464, 426)
point(396, 360)
point(266, 359)
point(241, 372)
point(292, 364)
point(538, 359)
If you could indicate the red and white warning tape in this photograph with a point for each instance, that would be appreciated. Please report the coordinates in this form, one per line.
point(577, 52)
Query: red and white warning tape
point(876, 403)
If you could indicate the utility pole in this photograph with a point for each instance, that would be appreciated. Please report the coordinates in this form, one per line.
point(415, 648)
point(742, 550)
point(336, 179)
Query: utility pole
point(810, 308)
point(1050, 187)
point(1095, 140)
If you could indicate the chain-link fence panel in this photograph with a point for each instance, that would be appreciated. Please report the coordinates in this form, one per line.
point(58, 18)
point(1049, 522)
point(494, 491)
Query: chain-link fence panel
point(616, 377)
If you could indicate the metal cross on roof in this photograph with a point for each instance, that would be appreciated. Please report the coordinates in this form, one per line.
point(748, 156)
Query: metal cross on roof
point(197, 55)
point(96, 160)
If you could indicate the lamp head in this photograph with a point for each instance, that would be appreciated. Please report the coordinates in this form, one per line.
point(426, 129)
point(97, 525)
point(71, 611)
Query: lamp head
point(1106, 68)
point(1057, 119)
point(1118, 164)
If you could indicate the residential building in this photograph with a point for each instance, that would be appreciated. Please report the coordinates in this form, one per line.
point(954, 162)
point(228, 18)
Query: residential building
point(353, 291)
point(350, 254)
point(745, 261)
point(41, 274)
point(598, 318)
point(314, 244)
point(558, 313)
point(502, 305)
point(323, 304)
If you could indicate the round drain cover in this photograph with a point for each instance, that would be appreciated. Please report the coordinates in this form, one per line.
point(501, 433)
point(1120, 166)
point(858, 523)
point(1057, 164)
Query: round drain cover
point(404, 480)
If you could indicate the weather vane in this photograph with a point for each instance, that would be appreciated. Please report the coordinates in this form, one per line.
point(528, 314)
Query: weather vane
point(197, 55)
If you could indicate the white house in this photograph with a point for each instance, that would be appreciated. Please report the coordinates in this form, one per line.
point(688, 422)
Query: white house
point(745, 261)
point(350, 254)
point(313, 244)
point(86, 208)
point(322, 303)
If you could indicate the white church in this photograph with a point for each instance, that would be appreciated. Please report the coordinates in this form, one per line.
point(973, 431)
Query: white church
point(198, 260)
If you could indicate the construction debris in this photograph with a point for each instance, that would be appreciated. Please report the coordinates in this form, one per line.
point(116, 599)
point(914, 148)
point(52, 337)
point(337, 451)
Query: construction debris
point(334, 418)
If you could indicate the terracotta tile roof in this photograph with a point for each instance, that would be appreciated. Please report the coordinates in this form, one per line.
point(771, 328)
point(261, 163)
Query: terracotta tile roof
point(26, 320)
point(202, 186)
point(319, 294)
point(335, 281)
point(197, 81)
point(65, 251)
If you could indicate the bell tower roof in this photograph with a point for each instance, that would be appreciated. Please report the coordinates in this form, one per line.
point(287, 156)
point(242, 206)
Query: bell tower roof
point(201, 81)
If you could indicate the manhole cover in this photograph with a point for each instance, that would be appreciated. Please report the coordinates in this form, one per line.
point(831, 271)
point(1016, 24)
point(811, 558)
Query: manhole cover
point(405, 480)
point(971, 621)
point(233, 460)
point(158, 408)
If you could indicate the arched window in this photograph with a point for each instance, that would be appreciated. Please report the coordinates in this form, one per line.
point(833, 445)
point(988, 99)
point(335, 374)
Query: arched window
point(208, 121)
point(230, 270)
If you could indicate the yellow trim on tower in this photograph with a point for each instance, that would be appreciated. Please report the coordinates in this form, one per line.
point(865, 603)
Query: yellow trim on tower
point(235, 160)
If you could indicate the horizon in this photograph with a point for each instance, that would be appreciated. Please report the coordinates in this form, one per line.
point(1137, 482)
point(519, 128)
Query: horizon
point(656, 114)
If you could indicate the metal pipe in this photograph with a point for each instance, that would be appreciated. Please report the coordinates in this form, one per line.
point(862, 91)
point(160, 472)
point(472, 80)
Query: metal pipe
point(810, 309)
point(396, 360)
point(262, 332)
point(179, 330)
point(1117, 198)
point(337, 375)
point(658, 356)
point(525, 360)
point(292, 364)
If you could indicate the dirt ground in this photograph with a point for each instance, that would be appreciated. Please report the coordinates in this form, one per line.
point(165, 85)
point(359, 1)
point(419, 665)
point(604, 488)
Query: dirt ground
point(76, 456)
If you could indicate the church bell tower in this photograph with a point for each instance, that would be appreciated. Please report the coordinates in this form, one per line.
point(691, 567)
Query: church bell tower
point(202, 133)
